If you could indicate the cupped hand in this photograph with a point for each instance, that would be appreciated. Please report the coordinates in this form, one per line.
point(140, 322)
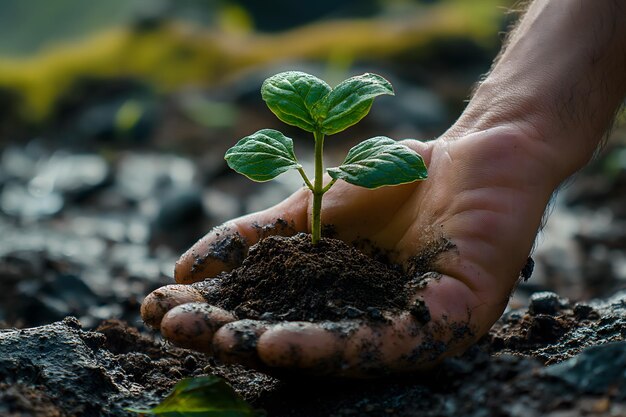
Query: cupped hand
point(485, 197)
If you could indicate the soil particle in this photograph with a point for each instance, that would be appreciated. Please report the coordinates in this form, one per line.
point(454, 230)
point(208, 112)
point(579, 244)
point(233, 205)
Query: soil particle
point(291, 279)
point(546, 302)
point(424, 262)
point(585, 312)
point(528, 269)
point(419, 310)
point(329, 231)
point(280, 227)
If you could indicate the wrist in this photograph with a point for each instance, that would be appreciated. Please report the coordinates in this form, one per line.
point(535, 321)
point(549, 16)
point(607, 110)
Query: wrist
point(562, 97)
point(525, 110)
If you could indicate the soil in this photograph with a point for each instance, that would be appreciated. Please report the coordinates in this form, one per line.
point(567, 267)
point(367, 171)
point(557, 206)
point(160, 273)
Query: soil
point(62, 370)
point(289, 278)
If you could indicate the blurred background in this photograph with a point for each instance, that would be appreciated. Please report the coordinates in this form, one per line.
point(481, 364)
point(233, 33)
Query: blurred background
point(114, 118)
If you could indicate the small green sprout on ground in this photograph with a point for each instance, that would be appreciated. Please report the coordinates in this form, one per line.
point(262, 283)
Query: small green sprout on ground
point(305, 101)
point(203, 396)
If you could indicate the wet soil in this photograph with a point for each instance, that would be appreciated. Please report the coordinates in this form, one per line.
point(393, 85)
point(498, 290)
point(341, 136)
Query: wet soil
point(289, 278)
point(555, 358)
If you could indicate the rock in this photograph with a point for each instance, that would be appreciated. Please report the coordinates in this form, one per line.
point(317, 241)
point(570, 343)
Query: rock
point(545, 329)
point(72, 175)
point(41, 184)
point(140, 176)
point(58, 358)
point(180, 219)
point(29, 205)
point(585, 312)
point(546, 302)
point(596, 370)
point(53, 299)
point(80, 373)
point(19, 163)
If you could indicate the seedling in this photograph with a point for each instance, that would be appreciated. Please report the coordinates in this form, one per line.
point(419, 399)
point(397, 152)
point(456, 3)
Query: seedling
point(305, 101)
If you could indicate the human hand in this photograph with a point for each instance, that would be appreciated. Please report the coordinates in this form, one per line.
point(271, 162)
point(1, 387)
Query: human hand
point(486, 195)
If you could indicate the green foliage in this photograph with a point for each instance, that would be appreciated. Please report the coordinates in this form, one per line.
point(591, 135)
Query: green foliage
point(263, 155)
point(302, 100)
point(206, 396)
point(350, 101)
point(380, 161)
point(305, 101)
point(292, 95)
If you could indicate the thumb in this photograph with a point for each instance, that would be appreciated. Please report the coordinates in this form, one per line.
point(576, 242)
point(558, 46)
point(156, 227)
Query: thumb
point(225, 247)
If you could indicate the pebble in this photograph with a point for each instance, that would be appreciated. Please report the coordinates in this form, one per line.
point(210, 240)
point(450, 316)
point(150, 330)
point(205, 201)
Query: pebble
point(180, 219)
point(28, 205)
point(585, 311)
point(353, 312)
point(374, 313)
point(72, 175)
point(140, 176)
point(419, 310)
point(190, 363)
point(546, 302)
point(545, 329)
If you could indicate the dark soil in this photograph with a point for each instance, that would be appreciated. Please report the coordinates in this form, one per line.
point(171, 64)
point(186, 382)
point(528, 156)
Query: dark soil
point(61, 370)
point(292, 279)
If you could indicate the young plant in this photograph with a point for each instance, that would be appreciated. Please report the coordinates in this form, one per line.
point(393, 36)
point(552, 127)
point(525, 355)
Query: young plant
point(305, 101)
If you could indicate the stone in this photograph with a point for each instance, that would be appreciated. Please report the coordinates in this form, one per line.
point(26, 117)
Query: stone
point(546, 302)
point(596, 370)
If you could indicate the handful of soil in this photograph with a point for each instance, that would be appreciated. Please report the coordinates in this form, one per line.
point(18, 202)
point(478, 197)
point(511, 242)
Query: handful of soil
point(288, 278)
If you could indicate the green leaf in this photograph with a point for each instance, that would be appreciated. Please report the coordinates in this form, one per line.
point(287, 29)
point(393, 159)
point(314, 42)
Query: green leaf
point(205, 396)
point(380, 161)
point(291, 96)
point(350, 101)
point(263, 155)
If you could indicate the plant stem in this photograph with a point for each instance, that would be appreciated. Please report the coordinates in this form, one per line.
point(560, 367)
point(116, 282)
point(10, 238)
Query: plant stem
point(318, 189)
point(330, 184)
point(306, 179)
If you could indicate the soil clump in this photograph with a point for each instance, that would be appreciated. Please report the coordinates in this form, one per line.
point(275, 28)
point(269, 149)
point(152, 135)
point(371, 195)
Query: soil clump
point(292, 279)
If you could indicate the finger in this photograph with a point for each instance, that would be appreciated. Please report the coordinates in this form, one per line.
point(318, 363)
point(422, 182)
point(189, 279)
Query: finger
point(236, 342)
point(405, 342)
point(314, 347)
point(161, 300)
point(193, 325)
point(225, 247)
point(349, 348)
point(422, 148)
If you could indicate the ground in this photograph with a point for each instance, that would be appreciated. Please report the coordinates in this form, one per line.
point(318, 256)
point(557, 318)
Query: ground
point(547, 356)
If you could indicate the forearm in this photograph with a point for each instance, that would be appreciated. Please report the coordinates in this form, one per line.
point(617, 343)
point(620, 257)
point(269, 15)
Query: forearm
point(560, 78)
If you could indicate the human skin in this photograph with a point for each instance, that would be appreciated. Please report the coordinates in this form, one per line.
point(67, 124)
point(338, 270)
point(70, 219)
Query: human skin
point(533, 121)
